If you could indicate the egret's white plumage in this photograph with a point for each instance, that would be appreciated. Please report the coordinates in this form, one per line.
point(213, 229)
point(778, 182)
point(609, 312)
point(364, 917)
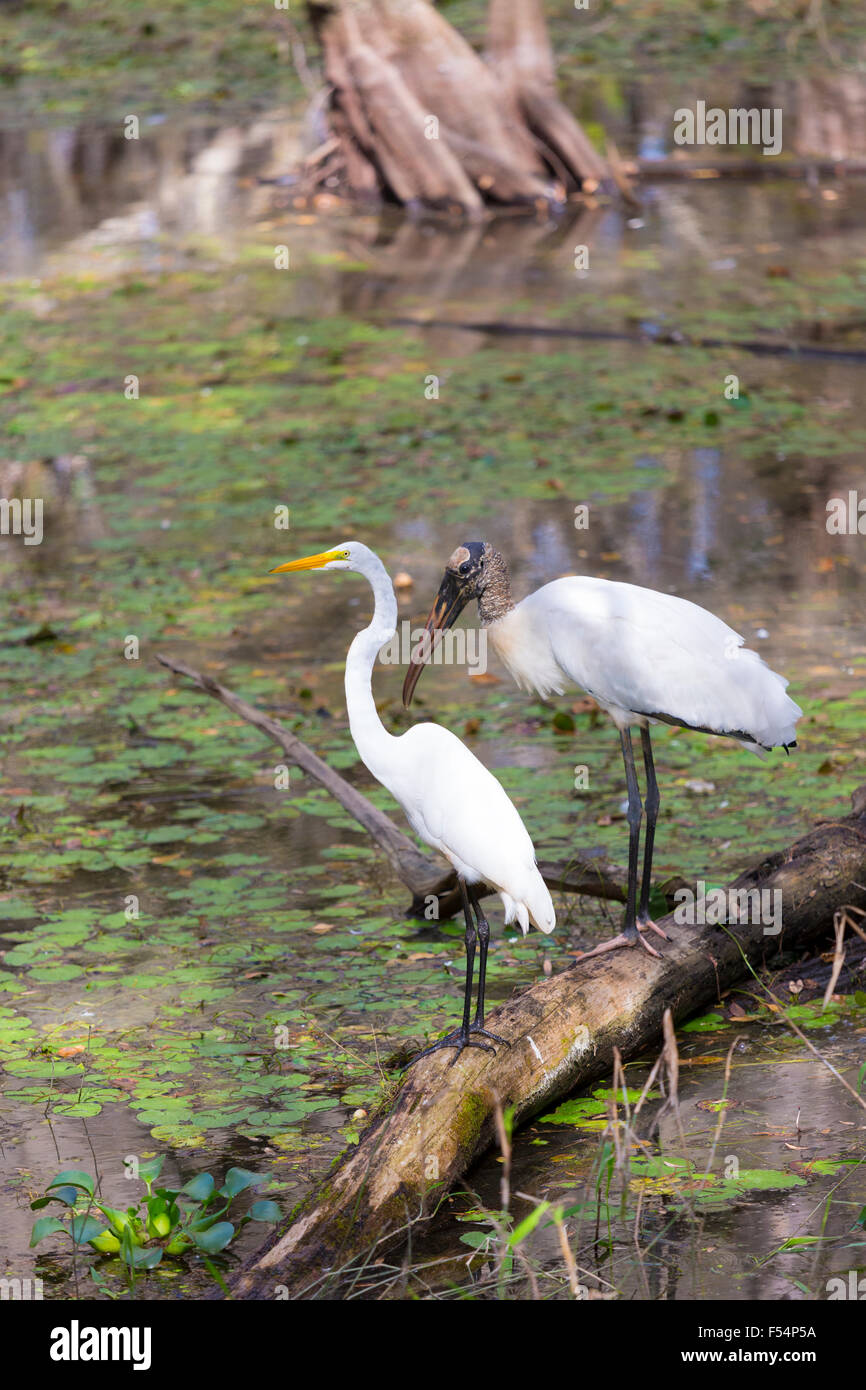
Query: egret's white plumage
point(457, 806)
point(450, 798)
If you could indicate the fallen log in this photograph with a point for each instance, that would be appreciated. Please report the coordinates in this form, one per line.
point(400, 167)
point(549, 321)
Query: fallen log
point(670, 338)
point(426, 880)
point(563, 1033)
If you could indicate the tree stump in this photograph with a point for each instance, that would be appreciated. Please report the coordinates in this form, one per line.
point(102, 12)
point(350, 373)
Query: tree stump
point(419, 117)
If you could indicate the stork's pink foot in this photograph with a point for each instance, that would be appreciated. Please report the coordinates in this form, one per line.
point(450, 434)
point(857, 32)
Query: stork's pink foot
point(647, 924)
point(626, 938)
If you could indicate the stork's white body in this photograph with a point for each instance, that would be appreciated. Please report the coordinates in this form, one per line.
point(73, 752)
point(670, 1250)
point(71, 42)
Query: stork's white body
point(450, 798)
point(645, 656)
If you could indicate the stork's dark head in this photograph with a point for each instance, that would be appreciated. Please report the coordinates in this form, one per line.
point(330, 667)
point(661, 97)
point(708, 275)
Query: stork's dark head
point(466, 567)
point(467, 575)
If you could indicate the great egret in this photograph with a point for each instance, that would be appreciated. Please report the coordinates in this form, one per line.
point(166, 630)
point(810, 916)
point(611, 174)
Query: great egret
point(644, 656)
point(449, 797)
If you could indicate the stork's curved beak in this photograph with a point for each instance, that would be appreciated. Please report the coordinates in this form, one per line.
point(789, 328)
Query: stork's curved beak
point(449, 603)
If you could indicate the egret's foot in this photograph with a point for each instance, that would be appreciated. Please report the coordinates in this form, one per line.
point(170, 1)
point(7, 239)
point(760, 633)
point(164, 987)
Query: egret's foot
point(647, 924)
point(459, 1039)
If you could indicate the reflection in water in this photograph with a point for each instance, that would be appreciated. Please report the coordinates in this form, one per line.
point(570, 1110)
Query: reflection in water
point(89, 189)
point(831, 116)
point(701, 531)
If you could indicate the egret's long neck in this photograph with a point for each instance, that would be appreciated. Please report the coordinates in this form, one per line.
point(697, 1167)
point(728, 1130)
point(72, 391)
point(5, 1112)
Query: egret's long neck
point(369, 733)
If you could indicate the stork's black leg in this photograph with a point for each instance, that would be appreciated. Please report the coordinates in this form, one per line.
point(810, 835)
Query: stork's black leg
point(483, 942)
point(651, 806)
point(630, 936)
point(633, 815)
point(460, 1037)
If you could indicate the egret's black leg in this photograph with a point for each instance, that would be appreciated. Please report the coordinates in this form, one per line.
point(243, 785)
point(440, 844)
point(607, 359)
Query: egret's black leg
point(483, 943)
point(460, 1037)
point(630, 935)
point(651, 806)
point(470, 938)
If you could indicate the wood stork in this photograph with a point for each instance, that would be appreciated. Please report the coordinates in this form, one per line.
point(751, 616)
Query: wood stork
point(643, 656)
point(449, 797)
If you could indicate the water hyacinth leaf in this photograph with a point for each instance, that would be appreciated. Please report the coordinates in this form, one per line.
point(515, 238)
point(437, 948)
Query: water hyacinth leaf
point(216, 1238)
point(117, 1220)
point(68, 1195)
point(204, 1223)
point(84, 1228)
point(264, 1211)
point(239, 1179)
point(46, 1226)
point(74, 1177)
point(200, 1187)
point(150, 1170)
point(137, 1258)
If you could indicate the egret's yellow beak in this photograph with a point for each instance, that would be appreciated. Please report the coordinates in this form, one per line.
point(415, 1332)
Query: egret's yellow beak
point(310, 562)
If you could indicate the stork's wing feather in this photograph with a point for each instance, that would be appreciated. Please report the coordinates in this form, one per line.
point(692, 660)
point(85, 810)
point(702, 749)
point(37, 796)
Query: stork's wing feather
point(656, 654)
